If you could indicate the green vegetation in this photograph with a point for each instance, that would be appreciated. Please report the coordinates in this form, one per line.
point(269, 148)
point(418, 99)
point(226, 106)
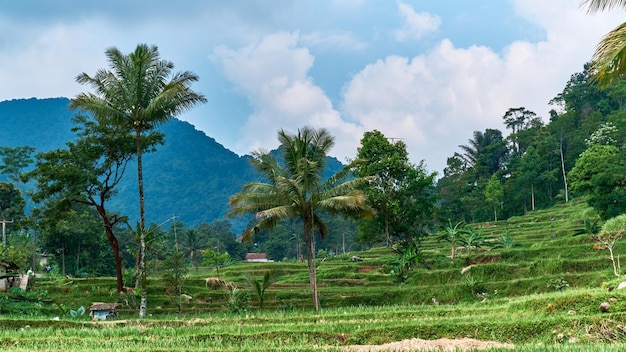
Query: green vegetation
point(542, 294)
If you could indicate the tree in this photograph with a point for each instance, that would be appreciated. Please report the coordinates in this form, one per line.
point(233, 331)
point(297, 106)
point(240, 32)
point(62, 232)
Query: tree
point(12, 206)
point(600, 172)
point(396, 188)
point(613, 230)
point(192, 246)
point(295, 189)
point(609, 59)
point(139, 93)
point(486, 152)
point(213, 258)
point(494, 192)
point(174, 272)
point(87, 172)
point(14, 160)
point(518, 119)
point(530, 170)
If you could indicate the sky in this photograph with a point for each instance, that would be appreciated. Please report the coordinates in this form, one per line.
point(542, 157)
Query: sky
point(427, 72)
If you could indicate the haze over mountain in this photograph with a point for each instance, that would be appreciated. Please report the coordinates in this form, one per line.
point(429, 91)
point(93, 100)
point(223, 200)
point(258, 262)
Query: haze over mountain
point(191, 176)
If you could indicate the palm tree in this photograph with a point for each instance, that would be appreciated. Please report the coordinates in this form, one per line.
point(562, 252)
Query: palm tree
point(294, 188)
point(193, 244)
point(609, 59)
point(139, 94)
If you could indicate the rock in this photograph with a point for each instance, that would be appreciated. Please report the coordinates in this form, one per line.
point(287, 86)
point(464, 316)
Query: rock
point(621, 285)
point(604, 307)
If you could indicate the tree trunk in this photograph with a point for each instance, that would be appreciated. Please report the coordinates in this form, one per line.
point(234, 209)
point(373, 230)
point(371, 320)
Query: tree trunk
point(143, 306)
point(563, 170)
point(308, 243)
point(495, 213)
point(387, 230)
point(532, 197)
point(108, 229)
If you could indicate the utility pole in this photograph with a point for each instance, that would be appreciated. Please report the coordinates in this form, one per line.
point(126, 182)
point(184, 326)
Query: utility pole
point(4, 237)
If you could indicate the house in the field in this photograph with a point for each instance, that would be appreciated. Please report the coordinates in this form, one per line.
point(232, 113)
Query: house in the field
point(8, 276)
point(257, 257)
point(103, 311)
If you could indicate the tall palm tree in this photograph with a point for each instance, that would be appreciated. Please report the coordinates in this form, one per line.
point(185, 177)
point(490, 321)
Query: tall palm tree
point(139, 92)
point(609, 59)
point(294, 188)
point(193, 245)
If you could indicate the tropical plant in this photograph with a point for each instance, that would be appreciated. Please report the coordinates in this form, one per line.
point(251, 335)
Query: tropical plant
point(139, 94)
point(452, 234)
point(473, 239)
point(408, 256)
point(261, 285)
point(609, 59)
point(294, 188)
point(192, 246)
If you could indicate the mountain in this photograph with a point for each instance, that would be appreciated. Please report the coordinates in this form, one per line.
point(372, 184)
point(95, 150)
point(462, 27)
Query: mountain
point(191, 176)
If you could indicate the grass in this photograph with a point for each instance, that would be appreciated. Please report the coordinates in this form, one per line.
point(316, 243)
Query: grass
point(542, 295)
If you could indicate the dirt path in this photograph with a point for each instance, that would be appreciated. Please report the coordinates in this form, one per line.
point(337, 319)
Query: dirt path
point(465, 344)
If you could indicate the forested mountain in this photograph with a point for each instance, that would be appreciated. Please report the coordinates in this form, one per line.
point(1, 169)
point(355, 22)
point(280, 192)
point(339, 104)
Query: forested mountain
point(190, 176)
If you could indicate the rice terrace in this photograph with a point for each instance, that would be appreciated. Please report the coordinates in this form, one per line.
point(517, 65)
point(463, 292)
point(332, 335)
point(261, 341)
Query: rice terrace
point(127, 229)
point(543, 294)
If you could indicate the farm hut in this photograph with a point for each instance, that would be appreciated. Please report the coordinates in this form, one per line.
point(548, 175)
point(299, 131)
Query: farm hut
point(257, 257)
point(7, 276)
point(103, 311)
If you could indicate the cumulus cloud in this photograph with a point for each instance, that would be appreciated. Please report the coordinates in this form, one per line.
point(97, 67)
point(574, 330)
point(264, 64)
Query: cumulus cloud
point(435, 100)
point(416, 25)
point(273, 75)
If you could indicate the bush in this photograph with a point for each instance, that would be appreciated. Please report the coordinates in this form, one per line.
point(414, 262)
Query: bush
point(558, 284)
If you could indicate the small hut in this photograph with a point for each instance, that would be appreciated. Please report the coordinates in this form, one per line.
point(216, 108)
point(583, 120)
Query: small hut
point(103, 311)
point(257, 257)
point(8, 273)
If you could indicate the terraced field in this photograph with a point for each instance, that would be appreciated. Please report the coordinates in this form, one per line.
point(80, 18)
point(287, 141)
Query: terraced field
point(540, 292)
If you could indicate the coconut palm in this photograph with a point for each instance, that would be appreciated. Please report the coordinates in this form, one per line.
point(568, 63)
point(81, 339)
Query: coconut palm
point(294, 188)
point(138, 92)
point(609, 59)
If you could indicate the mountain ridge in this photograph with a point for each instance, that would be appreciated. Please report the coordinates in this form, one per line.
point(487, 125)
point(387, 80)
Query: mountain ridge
point(191, 176)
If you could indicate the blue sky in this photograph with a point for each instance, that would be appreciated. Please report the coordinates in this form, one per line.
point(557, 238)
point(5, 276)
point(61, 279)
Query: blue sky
point(430, 72)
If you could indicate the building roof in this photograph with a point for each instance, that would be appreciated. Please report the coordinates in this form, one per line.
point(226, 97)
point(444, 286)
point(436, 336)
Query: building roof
point(103, 306)
point(256, 256)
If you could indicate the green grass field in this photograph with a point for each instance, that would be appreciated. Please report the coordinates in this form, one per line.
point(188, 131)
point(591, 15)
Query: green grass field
point(541, 294)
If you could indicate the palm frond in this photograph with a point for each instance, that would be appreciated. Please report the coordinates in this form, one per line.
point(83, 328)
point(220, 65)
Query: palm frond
point(609, 59)
point(594, 6)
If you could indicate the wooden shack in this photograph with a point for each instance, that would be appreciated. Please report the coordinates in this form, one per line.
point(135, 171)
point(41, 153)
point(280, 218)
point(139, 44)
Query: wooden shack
point(103, 311)
point(8, 276)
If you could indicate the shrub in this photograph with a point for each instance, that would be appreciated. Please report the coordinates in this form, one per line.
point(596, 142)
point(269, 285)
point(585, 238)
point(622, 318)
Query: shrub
point(558, 284)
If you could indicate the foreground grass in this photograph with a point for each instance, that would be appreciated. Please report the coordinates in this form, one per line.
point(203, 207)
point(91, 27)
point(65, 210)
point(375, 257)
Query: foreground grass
point(565, 321)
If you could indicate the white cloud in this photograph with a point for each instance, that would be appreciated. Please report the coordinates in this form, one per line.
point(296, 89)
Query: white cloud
point(38, 65)
point(416, 24)
point(435, 100)
point(273, 75)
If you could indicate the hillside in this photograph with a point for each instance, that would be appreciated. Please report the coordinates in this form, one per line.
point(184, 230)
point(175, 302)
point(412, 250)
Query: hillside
point(191, 176)
point(545, 289)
